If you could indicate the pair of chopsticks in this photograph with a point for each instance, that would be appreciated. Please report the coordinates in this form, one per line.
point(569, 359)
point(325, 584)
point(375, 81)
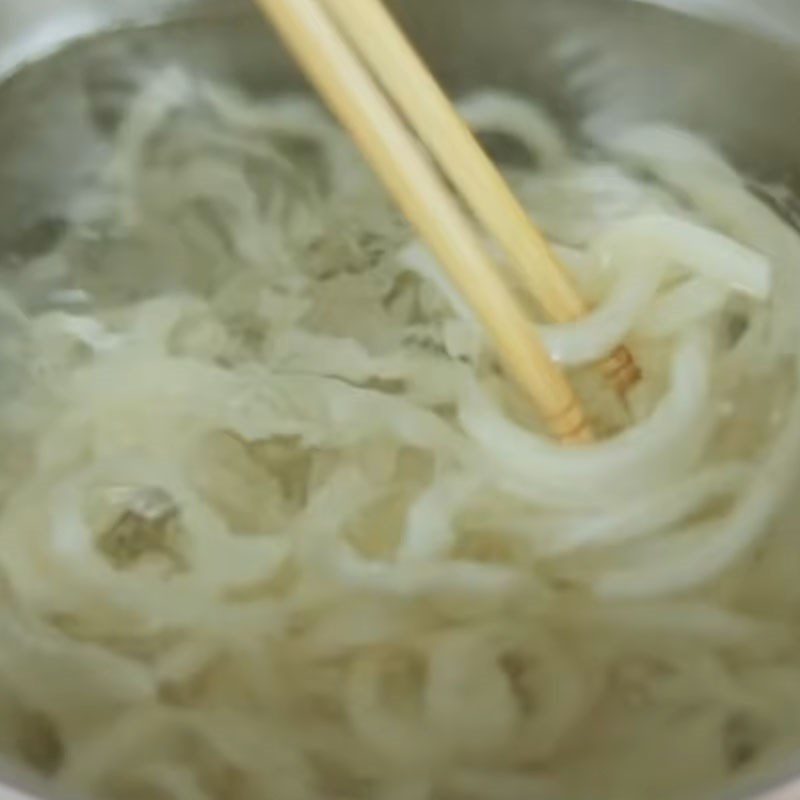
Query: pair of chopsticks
point(320, 34)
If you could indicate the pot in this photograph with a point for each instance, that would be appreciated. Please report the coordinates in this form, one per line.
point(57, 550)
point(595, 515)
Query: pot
point(729, 69)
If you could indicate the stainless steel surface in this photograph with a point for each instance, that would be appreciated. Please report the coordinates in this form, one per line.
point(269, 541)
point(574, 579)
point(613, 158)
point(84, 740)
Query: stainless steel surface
point(775, 18)
point(727, 68)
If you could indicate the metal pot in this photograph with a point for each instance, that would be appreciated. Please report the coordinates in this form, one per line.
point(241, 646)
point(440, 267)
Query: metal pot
point(726, 68)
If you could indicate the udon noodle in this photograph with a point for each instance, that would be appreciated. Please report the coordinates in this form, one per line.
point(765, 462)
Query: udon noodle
point(275, 525)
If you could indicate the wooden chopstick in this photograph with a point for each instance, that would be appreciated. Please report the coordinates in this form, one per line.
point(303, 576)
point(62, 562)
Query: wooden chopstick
point(374, 33)
point(421, 193)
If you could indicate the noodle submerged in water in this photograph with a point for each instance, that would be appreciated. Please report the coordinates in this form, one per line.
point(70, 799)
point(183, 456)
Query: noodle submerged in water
point(275, 525)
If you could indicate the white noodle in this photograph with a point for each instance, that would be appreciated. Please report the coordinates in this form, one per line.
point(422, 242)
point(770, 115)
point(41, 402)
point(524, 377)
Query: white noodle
point(495, 112)
point(275, 525)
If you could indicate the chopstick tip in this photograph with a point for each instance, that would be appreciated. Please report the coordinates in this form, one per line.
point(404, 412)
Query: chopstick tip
point(622, 370)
